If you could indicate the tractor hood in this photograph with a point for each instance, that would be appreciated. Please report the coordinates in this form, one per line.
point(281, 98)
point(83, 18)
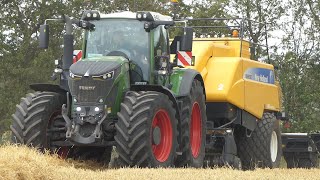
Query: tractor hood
point(92, 79)
point(96, 66)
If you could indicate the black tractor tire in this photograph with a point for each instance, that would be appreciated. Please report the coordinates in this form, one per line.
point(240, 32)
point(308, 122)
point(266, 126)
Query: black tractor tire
point(32, 119)
point(35, 117)
point(196, 96)
point(136, 128)
point(255, 150)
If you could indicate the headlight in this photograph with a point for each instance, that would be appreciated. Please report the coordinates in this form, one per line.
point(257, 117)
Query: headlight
point(96, 109)
point(145, 16)
point(73, 75)
point(108, 75)
point(90, 15)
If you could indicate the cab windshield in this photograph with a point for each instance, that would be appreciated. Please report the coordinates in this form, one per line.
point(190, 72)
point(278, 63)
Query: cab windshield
point(120, 37)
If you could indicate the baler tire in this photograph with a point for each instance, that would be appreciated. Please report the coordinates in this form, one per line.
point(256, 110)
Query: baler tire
point(196, 97)
point(311, 162)
point(255, 151)
point(31, 119)
point(291, 160)
point(135, 130)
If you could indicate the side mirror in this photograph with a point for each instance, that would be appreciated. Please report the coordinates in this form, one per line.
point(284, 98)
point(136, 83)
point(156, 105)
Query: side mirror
point(186, 39)
point(44, 36)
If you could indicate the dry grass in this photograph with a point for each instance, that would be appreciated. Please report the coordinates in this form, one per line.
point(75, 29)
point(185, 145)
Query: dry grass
point(25, 163)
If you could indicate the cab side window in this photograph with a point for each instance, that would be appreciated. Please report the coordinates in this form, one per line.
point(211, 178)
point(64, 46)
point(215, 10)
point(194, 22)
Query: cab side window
point(161, 42)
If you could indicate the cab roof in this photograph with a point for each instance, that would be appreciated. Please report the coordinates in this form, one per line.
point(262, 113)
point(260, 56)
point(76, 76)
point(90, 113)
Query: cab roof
point(133, 15)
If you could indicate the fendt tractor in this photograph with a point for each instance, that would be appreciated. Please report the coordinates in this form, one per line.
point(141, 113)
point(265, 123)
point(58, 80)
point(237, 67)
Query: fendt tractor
point(217, 106)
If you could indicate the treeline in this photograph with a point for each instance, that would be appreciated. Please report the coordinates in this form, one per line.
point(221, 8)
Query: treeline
point(294, 40)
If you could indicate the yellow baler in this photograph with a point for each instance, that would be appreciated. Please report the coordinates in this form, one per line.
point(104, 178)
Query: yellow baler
point(231, 76)
point(242, 103)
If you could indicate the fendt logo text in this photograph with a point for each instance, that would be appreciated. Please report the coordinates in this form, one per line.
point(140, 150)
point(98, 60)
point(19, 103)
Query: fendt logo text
point(87, 88)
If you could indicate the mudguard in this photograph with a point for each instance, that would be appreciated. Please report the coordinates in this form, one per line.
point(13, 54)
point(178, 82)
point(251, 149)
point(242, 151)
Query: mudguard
point(181, 80)
point(161, 89)
point(48, 87)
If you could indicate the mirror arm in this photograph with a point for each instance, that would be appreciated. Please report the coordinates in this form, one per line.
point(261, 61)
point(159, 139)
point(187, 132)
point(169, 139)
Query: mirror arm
point(45, 21)
point(68, 22)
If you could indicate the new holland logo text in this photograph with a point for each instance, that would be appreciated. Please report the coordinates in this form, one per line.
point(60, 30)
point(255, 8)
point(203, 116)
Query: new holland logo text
point(87, 88)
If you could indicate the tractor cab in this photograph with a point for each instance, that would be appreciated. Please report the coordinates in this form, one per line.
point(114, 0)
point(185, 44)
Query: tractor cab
point(141, 38)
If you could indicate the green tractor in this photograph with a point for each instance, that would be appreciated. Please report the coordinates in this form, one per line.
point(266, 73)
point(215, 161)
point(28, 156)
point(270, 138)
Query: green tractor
point(124, 92)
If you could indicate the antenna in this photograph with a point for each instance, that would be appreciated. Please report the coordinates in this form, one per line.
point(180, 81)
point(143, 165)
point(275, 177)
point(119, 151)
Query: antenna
point(175, 4)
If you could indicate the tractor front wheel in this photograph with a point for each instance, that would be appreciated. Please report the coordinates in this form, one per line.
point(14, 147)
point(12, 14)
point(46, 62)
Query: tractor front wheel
point(37, 122)
point(146, 130)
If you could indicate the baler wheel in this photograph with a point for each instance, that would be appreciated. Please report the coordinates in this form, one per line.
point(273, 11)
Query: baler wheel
point(263, 148)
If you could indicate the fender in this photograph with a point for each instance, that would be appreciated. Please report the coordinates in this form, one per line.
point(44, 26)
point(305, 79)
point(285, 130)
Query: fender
point(48, 87)
point(182, 79)
point(161, 89)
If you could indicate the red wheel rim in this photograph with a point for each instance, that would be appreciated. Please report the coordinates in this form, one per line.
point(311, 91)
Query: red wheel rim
point(162, 120)
point(195, 130)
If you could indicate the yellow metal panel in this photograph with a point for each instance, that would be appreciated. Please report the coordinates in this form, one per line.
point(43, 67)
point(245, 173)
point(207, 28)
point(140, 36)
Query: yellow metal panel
point(236, 94)
point(202, 51)
point(224, 81)
point(258, 95)
point(223, 47)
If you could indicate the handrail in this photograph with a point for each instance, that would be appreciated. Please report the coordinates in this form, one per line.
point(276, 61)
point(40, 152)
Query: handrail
point(240, 24)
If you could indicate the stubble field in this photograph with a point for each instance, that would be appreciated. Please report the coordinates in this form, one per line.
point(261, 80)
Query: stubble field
point(25, 163)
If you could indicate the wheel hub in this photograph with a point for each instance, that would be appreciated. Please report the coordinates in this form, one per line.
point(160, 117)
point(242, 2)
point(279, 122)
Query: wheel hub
point(274, 146)
point(156, 135)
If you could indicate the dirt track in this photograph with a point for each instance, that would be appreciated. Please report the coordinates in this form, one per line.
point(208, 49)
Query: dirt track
point(25, 163)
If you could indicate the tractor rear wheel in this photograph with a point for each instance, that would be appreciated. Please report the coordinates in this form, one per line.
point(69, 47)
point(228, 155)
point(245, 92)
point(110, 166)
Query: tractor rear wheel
point(193, 125)
point(263, 147)
point(38, 121)
point(146, 130)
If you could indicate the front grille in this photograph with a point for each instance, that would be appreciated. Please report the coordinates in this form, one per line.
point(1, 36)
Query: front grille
point(88, 89)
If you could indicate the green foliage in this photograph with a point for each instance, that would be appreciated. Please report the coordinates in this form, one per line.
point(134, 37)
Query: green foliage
point(296, 53)
point(5, 138)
